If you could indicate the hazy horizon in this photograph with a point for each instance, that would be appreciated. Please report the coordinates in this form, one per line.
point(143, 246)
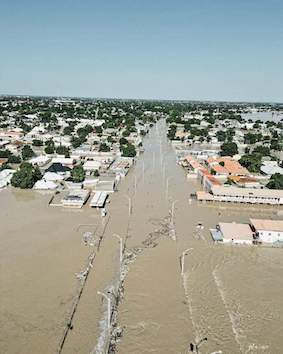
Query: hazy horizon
point(162, 50)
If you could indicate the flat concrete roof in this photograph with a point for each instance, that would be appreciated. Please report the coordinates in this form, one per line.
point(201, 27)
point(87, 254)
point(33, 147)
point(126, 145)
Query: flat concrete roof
point(267, 225)
point(236, 231)
point(247, 192)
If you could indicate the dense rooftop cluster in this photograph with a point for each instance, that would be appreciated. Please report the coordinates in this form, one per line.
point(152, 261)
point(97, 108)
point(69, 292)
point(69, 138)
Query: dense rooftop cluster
point(233, 130)
point(85, 135)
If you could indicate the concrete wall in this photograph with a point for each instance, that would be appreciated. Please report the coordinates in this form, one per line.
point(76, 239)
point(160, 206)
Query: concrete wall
point(270, 236)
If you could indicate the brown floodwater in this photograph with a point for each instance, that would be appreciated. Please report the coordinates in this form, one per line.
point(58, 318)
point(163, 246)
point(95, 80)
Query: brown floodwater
point(231, 295)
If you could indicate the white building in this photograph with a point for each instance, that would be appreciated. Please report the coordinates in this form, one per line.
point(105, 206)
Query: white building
point(45, 185)
point(41, 160)
point(243, 195)
point(268, 231)
point(271, 167)
point(240, 234)
point(98, 199)
point(92, 165)
point(76, 198)
point(5, 177)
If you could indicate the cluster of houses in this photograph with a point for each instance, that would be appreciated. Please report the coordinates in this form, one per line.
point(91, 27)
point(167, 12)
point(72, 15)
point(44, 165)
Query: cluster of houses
point(99, 153)
point(214, 121)
point(225, 180)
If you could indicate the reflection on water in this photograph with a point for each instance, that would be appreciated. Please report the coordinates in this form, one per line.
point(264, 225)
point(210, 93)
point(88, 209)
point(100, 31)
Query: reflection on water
point(263, 116)
point(232, 295)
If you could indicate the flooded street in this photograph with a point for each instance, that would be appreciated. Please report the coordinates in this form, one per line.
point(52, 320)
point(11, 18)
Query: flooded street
point(231, 295)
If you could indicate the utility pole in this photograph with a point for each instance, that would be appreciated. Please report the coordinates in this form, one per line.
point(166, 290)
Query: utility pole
point(120, 254)
point(108, 299)
point(182, 260)
point(129, 202)
point(167, 185)
point(195, 347)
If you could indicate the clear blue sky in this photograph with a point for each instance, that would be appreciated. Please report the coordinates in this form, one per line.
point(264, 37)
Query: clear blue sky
point(177, 49)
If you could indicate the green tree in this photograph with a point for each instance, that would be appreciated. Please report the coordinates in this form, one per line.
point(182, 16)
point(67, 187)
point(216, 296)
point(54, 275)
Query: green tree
point(68, 130)
point(96, 173)
point(49, 147)
point(27, 152)
point(104, 147)
point(252, 138)
point(37, 142)
point(229, 149)
point(126, 133)
point(26, 176)
point(77, 141)
point(221, 135)
point(172, 132)
point(5, 154)
point(123, 141)
point(63, 150)
point(276, 181)
point(78, 174)
point(98, 130)
point(5, 166)
point(251, 161)
point(129, 150)
point(276, 144)
point(14, 159)
point(263, 150)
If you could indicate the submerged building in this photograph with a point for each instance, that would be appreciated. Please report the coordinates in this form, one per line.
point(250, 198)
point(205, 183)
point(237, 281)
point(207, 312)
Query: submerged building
point(242, 195)
point(257, 231)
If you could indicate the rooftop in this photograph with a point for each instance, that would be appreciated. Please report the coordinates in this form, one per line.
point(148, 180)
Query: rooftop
point(268, 225)
point(236, 231)
point(247, 192)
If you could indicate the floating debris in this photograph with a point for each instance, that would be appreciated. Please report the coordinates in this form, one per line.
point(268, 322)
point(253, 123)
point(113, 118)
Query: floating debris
point(89, 239)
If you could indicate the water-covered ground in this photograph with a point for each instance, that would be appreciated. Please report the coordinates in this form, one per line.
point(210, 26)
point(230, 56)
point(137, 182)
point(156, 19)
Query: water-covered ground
point(231, 295)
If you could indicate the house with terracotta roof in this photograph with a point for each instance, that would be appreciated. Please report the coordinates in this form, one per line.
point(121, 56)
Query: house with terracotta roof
point(245, 181)
point(225, 166)
point(3, 160)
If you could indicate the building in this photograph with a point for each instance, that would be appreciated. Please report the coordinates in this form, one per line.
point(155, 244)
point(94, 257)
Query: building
point(92, 165)
point(207, 179)
point(192, 165)
point(225, 166)
point(41, 160)
point(271, 167)
point(257, 231)
point(59, 168)
point(76, 198)
point(98, 200)
point(245, 181)
point(234, 233)
point(243, 195)
point(45, 185)
point(268, 231)
point(5, 177)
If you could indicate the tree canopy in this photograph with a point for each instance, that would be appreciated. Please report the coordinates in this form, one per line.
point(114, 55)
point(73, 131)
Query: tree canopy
point(26, 176)
point(128, 150)
point(251, 161)
point(276, 181)
point(229, 149)
point(27, 152)
point(78, 174)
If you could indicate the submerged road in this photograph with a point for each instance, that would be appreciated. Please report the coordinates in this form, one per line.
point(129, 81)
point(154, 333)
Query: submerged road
point(229, 295)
